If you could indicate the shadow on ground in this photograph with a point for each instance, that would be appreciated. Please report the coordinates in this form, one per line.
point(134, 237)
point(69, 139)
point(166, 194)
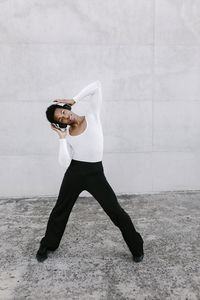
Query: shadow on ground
point(93, 261)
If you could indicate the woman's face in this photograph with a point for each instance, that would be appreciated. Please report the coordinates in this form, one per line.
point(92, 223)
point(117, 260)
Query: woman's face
point(64, 116)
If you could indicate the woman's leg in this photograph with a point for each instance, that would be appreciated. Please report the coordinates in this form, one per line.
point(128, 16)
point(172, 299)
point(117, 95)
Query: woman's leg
point(98, 186)
point(71, 187)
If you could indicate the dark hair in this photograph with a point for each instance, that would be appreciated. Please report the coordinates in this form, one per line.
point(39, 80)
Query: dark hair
point(50, 113)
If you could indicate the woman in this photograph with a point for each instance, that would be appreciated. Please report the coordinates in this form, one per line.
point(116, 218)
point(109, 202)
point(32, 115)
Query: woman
point(81, 154)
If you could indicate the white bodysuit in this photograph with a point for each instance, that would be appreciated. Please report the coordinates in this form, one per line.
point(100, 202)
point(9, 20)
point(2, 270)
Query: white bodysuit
point(87, 146)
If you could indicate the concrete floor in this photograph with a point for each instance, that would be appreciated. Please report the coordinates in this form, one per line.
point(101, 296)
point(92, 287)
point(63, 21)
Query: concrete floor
point(93, 261)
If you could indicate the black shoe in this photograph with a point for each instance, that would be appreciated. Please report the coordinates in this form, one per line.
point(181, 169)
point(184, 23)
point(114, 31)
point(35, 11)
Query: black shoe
point(138, 258)
point(42, 253)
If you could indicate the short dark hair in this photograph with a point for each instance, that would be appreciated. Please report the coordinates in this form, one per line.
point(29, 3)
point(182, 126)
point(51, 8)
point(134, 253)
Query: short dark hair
point(50, 113)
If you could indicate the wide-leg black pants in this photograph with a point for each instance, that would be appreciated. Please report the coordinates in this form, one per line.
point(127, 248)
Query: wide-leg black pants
point(89, 176)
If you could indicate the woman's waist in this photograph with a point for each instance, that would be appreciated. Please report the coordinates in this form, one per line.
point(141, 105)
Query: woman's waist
point(85, 166)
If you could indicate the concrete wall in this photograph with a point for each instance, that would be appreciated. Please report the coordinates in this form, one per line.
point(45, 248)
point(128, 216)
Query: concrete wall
point(146, 54)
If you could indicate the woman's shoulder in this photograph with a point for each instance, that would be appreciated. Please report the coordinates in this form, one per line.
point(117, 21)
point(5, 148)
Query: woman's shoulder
point(91, 115)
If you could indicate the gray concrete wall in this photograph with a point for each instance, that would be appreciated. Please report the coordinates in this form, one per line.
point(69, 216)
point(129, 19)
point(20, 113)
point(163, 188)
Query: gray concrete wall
point(146, 54)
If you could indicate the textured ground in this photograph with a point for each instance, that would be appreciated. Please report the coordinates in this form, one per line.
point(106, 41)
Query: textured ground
point(93, 261)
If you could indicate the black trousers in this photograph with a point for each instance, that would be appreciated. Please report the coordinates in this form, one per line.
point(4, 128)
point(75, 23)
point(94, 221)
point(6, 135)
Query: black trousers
point(89, 176)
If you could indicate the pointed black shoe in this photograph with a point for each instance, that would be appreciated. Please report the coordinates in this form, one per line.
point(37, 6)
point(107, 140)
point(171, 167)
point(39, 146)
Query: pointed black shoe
point(42, 253)
point(138, 258)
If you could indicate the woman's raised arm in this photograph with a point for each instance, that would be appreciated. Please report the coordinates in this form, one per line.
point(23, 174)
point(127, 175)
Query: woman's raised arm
point(94, 89)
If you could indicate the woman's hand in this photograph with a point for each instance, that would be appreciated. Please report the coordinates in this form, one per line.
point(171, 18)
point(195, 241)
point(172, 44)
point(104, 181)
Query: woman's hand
point(62, 133)
point(65, 101)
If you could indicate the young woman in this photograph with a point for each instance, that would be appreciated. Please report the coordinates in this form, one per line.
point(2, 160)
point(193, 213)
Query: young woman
point(81, 154)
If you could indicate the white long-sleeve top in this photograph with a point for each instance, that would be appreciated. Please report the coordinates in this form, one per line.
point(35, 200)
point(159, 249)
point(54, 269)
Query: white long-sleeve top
point(87, 146)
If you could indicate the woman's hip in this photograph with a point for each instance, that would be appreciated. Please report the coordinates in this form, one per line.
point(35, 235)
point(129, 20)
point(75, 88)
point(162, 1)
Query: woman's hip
point(85, 167)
